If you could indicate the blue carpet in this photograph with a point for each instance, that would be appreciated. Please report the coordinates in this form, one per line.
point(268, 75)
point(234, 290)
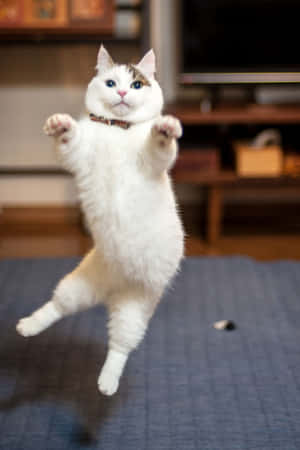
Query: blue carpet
point(187, 387)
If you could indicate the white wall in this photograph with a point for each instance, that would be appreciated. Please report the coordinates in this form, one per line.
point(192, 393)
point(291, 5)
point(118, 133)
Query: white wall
point(24, 110)
point(37, 190)
point(24, 145)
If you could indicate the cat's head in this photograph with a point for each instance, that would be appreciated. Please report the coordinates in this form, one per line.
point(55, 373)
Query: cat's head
point(128, 92)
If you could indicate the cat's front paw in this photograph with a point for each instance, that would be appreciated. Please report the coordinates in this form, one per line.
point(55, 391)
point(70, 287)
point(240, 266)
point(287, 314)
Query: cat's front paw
point(108, 382)
point(168, 127)
point(58, 124)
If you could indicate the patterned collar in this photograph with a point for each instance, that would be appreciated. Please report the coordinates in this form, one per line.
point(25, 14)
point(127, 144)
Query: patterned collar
point(119, 123)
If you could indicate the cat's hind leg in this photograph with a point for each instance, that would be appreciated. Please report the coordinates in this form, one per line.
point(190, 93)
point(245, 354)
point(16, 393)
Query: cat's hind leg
point(41, 319)
point(76, 291)
point(128, 321)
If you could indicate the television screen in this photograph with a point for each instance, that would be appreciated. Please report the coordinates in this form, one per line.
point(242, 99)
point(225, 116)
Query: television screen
point(240, 36)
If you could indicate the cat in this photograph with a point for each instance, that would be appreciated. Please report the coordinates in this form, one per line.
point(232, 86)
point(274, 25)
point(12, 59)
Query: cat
point(119, 153)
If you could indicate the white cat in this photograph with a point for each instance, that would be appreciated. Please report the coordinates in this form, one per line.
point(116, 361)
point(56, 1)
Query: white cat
point(119, 154)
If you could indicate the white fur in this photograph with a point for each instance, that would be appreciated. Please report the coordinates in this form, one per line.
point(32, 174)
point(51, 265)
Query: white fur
point(127, 198)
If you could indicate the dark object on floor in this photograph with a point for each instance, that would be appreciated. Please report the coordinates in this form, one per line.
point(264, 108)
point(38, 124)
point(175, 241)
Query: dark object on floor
point(227, 325)
point(185, 388)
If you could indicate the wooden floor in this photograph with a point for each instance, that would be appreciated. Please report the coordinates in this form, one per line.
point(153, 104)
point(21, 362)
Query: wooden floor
point(52, 234)
point(71, 242)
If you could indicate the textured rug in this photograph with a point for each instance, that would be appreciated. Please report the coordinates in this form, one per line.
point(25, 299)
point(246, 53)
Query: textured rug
point(187, 387)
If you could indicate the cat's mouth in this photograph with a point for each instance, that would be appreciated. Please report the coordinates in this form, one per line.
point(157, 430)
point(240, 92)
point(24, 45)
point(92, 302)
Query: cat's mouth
point(122, 108)
point(122, 103)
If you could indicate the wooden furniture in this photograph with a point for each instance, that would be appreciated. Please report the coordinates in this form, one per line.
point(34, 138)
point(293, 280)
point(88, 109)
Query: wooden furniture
point(190, 114)
point(217, 184)
point(56, 18)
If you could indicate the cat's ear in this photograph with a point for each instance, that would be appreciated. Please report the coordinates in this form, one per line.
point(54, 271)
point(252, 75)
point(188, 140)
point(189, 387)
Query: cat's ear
point(147, 64)
point(104, 60)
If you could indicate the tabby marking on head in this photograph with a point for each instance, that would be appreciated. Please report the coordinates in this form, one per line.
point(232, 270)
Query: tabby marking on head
point(137, 75)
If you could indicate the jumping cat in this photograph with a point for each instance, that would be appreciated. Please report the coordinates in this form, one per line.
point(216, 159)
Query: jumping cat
point(119, 153)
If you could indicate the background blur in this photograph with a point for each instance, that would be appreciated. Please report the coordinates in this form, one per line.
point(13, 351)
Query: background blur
point(232, 201)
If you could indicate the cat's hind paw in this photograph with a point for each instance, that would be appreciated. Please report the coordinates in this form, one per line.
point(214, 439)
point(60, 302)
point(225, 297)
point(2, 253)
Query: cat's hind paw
point(28, 326)
point(168, 127)
point(108, 382)
point(58, 124)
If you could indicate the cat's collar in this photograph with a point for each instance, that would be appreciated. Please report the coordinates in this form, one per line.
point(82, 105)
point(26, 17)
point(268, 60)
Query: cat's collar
point(119, 123)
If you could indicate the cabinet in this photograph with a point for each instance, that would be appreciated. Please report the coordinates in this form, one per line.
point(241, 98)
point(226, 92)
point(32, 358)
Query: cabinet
point(216, 184)
point(40, 19)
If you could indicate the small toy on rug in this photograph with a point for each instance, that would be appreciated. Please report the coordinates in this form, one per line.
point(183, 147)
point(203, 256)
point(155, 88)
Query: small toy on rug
point(227, 325)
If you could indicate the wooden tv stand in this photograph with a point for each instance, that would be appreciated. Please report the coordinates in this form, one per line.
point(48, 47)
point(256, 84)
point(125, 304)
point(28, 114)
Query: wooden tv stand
point(216, 184)
point(190, 114)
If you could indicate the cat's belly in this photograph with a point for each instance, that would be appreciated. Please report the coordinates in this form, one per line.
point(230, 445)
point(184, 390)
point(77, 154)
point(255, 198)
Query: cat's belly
point(135, 227)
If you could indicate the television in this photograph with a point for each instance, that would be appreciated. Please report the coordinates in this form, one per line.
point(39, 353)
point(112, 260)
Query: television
point(243, 42)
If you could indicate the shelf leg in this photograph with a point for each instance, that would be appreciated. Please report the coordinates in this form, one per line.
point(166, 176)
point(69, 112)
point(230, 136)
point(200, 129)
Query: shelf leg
point(214, 213)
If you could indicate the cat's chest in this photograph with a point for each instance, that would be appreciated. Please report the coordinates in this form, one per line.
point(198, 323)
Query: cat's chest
point(117, 151)
point(115, 168)
point(115, 154)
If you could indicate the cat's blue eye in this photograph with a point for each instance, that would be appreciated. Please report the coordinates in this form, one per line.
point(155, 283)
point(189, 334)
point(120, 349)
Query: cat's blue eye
point(137, 85)
point(110, 83)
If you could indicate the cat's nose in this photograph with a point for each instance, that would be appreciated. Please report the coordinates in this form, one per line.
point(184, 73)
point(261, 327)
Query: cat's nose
point(122, 93)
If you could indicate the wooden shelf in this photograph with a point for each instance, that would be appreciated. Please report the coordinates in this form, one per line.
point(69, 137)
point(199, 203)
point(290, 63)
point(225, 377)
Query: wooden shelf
point(204, 179)
point(64, 18)
point(70, 32)
point(215, 184)
point(218, 183)
point(190, 114)
point(230, 178)
point(33, 171)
